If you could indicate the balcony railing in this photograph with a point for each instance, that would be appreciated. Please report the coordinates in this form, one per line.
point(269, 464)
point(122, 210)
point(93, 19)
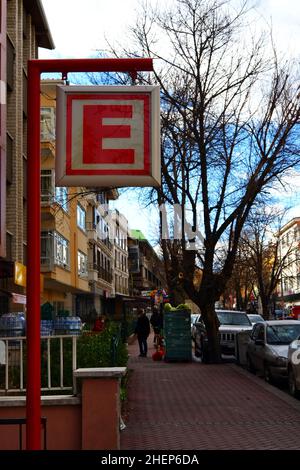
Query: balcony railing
point(105, 275)
point(101, 272)
point(56, 359)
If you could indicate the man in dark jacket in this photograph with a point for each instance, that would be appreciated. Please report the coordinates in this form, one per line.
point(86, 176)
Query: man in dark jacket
point(142, 330)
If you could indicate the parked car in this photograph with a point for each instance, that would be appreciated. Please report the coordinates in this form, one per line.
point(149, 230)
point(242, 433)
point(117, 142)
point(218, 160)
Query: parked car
point(194, 319)
point(267, 351)
point(231, 323)
point(294, 368)
point(255, 318)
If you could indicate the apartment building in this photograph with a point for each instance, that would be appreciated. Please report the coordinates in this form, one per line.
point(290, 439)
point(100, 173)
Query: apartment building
point(78, 246)
point(100, 250)
point(121, 274)
point(289, 286)
point(64, 240)
point(146, 269)
point(25, 30)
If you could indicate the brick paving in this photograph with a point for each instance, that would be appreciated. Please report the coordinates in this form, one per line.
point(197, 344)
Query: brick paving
point(197, 406)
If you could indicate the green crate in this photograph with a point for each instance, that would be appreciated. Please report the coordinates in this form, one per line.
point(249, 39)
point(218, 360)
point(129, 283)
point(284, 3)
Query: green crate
point(177, 334)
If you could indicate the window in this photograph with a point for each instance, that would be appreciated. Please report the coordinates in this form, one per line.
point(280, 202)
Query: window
point(58, 306)
point(102, 198)
point(9, 245)
point(80, 217)
point(82, 264)
point(25, 87)
point(48, 124)
point(9, 159)
point(10, 65)
point(47, 186)
point(46, 248)
point(61, 251)
point(61, 197)
point(24, 178)
point(25, 254)
point(24, 24)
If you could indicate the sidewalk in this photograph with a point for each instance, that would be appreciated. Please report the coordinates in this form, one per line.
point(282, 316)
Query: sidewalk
point(197, 406)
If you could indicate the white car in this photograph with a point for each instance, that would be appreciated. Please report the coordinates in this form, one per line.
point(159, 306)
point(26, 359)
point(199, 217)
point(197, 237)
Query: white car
point(268, 346)
point(294, 368)
point(194, 319)
point(232, 322)
point(255, 318)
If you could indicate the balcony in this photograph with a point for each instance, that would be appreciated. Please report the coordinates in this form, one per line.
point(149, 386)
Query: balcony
point(47, 198)
point(105, 275)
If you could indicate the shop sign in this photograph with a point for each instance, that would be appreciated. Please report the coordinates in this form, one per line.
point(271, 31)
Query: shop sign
point(108, 136)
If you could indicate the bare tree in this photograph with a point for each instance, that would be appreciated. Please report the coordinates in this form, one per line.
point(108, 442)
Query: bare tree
point(260, 242)
point(230, 115)
point(242, 282)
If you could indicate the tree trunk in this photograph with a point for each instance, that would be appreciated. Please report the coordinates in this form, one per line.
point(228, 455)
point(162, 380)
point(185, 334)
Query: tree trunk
point(211, 321)
point(265, 307)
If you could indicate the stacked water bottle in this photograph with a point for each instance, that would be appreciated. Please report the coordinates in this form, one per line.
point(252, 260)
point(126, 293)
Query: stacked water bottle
point(12, 324)
point(67, 325)
point(46, 327)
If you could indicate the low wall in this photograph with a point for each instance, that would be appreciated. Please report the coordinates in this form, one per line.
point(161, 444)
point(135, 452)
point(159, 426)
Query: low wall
point(90, 421)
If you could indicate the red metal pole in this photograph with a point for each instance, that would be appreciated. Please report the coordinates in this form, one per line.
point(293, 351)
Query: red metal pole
point(93, 65)
point(35, 68)
point(33, 396)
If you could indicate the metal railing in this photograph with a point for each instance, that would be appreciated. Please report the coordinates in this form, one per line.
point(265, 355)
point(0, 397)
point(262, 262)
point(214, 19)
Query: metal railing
point(20, 422)
point(116, 338)
point(54, 367)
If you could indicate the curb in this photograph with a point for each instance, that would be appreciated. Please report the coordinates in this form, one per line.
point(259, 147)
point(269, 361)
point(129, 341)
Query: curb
point(270, 388)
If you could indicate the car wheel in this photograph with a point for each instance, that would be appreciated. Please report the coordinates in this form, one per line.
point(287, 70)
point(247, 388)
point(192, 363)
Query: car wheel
point(292, 384)
point(267, 374)
point(250, 366)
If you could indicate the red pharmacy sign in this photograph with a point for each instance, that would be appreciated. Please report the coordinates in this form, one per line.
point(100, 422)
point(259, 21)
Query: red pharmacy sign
point(108, 136)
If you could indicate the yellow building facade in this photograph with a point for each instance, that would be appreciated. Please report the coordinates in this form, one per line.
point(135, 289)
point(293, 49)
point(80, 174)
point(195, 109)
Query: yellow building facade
point(64, 240)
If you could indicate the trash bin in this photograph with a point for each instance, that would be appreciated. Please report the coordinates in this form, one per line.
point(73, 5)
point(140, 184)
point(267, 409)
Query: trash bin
point(177, 335)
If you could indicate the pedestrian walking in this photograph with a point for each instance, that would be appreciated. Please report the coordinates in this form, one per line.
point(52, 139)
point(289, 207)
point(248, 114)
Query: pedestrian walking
point(142, 330)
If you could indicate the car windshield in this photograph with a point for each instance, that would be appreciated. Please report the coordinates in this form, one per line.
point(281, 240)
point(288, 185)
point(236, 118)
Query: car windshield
point(255, 318)
point(282, 334)
point(234, 318)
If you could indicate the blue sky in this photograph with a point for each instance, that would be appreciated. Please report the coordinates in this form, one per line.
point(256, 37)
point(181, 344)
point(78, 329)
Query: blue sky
point(80, 32)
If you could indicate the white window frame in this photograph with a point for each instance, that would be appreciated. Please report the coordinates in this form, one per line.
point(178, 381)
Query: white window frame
point(47, 186)
point(82, 264)
point(81, 217)
point(61, 251)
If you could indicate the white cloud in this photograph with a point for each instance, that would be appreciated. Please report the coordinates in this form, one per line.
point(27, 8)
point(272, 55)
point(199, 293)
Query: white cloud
point(139, 217)
point(284, 16)
point(79, 28)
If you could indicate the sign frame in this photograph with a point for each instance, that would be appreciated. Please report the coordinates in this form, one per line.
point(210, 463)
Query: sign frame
point(72, 103)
